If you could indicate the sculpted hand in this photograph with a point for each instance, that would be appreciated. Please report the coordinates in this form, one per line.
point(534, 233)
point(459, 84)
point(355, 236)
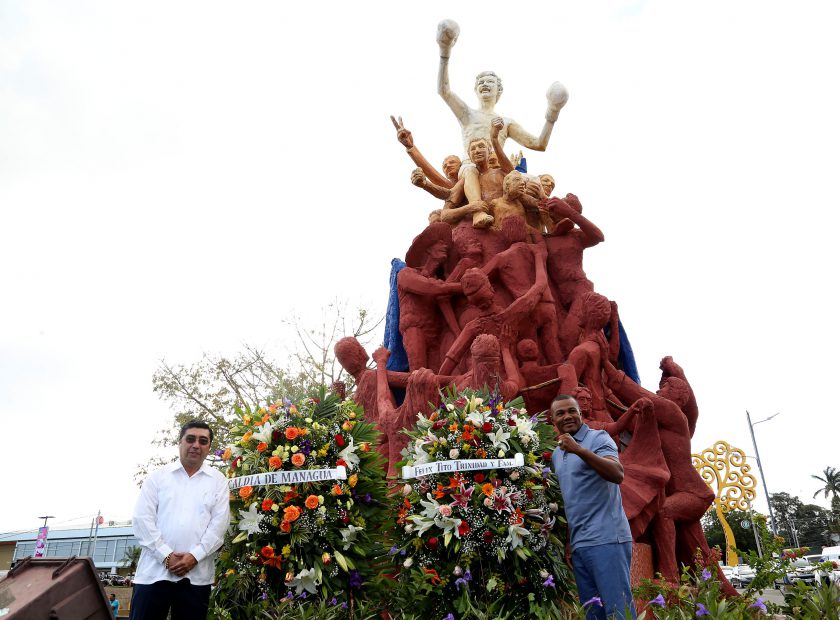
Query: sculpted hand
point(574, 202)
point(447, 35)
point(418, 178)
point(403, 135)
point(381, 357)
point(496, 125)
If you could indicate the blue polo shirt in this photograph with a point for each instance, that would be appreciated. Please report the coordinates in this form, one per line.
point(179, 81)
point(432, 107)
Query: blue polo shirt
point(593, 505)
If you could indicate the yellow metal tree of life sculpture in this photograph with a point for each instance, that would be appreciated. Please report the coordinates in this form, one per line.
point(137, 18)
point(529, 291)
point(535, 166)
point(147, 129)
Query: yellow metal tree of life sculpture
point(726, 471)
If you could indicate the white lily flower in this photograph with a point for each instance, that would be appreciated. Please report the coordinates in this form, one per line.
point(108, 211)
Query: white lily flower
point(249, 520)
point(420, 455)
point(423, 524)
point(348, 535)
point(264, 433)
point(499, 438)
point(431, 508)
point(349, 455)
point(515, 535)
point(306, 580)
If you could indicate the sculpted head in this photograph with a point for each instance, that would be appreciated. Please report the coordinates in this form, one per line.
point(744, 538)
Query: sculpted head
point(451, 166)
point(351, 355)
point(584, 399)
point(513, 230)
point(548, 184)
point(527, 350)
point(676, 390)
point(514, 184)
point(488, 85)
point(493, 160)
point(467, 246)
point(479, 151)
point(596, 310)
point(565, 414)
point(534, 188)
point(477, 288)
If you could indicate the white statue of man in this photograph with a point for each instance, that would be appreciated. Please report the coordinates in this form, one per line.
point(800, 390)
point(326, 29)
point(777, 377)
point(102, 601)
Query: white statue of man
point(475, 123)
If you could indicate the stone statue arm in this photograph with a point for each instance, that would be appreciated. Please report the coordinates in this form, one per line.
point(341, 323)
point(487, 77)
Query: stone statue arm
point(525, 304)
point(412, 282)
point(460, 268)
point(418, 179)
point(625, 388)
point(454, 215)
point(385, 403)
point(671, 369)
point(615, 337)
point(405, 138)
point(627, 419)
point(458, 348)
point(592, 235)
point(557, 96)
point(495, 127)
point(507, 340)
point(455, 103)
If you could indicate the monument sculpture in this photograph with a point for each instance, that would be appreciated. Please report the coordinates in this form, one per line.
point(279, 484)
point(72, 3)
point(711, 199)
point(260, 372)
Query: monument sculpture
point(493, 293)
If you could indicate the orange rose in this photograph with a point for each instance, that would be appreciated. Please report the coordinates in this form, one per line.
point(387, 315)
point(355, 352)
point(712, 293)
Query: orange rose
point(365, 447)
point(336, 490)
point(245, 492)
point(291, 513)
point(275, 462)
point(353, 480)
point(298, 459)
point(247, 436)
point(291, 433)
point(286, 527)
point(487, 489)
point(311, 502)
point(267, 552)
point(266, 504)
point(261, 446)
point(226, 455)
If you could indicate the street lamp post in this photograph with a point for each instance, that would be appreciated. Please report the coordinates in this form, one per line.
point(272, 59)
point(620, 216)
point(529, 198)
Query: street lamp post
point(760, 470)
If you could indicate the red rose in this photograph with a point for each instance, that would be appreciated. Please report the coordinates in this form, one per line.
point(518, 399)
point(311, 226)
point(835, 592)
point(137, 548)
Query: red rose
point(344, 517)
point(463, 529)
point(546, 456)
point(488, 538)
point(339, 440)
point(432, 543)
point(479, 477)
point(529, 494)
point(511, 422)
point(487, 427)
point(275, 436)
point(341, 462)
point(438, 425)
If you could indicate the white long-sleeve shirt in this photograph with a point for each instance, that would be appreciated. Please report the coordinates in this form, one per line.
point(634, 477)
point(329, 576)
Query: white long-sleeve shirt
point(182, 513)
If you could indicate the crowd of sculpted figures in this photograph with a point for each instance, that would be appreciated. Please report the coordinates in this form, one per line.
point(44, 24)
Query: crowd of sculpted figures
point(494, 294)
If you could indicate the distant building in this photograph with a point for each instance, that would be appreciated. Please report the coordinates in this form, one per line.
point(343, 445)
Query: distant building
point(111, 544)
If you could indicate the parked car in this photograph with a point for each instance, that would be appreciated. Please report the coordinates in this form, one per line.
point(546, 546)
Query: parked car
point(742, 575)
point(829, 554)
point(727, 571)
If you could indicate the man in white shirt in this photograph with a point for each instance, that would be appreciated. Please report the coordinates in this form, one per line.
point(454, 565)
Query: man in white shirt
point(180, 522)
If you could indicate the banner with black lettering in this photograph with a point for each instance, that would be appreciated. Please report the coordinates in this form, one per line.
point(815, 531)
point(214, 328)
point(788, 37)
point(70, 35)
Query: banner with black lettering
point(288, 477)
point(448, 467)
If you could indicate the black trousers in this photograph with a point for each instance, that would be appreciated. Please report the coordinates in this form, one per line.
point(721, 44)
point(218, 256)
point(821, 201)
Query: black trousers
point(154, 601)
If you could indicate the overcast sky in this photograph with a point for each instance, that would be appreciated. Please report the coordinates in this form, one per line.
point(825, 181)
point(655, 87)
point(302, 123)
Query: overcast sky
point(178, 177)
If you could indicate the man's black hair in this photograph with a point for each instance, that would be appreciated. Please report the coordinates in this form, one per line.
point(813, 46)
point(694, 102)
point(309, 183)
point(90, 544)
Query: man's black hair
point(195, 424)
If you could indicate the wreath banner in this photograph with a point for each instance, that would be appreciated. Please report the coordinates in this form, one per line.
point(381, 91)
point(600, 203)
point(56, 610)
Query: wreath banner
point(288, 477)
point(444, 467)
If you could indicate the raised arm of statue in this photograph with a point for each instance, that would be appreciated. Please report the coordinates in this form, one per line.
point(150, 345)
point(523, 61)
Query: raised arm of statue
point(626, 389)
point(566, 207)
point(495, 127)
point(671, 369)
point(418, 179)
point(405, 138)
point(447, 34)
point(557, 96)
point(615, 337)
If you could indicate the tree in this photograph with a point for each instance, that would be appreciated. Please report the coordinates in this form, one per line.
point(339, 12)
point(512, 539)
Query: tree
point(131, 558)
point(802, 525)
point(212, 388)
point(831, 483)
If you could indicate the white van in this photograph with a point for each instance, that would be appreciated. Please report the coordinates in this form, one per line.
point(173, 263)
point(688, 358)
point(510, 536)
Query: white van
point(829, 554)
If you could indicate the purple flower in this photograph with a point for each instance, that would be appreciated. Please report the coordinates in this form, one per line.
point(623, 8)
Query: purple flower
point(460, 582)
point(705, 575)
point(468, 575)
point(344, 605)
point(759, 604)
point(549, 583)
point(595, 600)
point(393, 550)
point(302, 594)
point(306, 446)
point(289, 595)
point(367, 500)
point(402, 552)
point(264, 596)
point(449, 617)
point(702, 611)
point(219, 452)
point(659, 600)
point(333, 601)
point(355, 580)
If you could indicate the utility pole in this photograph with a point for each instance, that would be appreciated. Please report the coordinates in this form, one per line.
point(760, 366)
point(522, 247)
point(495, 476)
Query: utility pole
point(761, 471)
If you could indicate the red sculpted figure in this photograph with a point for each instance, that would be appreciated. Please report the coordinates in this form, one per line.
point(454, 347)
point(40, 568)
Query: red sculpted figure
point(491, 316)
point(419, 288)
point(677, 523)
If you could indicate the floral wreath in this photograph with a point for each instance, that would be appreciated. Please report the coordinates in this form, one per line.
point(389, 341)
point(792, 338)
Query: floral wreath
point(484, 530)
point(306, 532)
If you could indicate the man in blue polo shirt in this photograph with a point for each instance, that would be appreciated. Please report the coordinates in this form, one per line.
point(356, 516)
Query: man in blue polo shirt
point(587, 466)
